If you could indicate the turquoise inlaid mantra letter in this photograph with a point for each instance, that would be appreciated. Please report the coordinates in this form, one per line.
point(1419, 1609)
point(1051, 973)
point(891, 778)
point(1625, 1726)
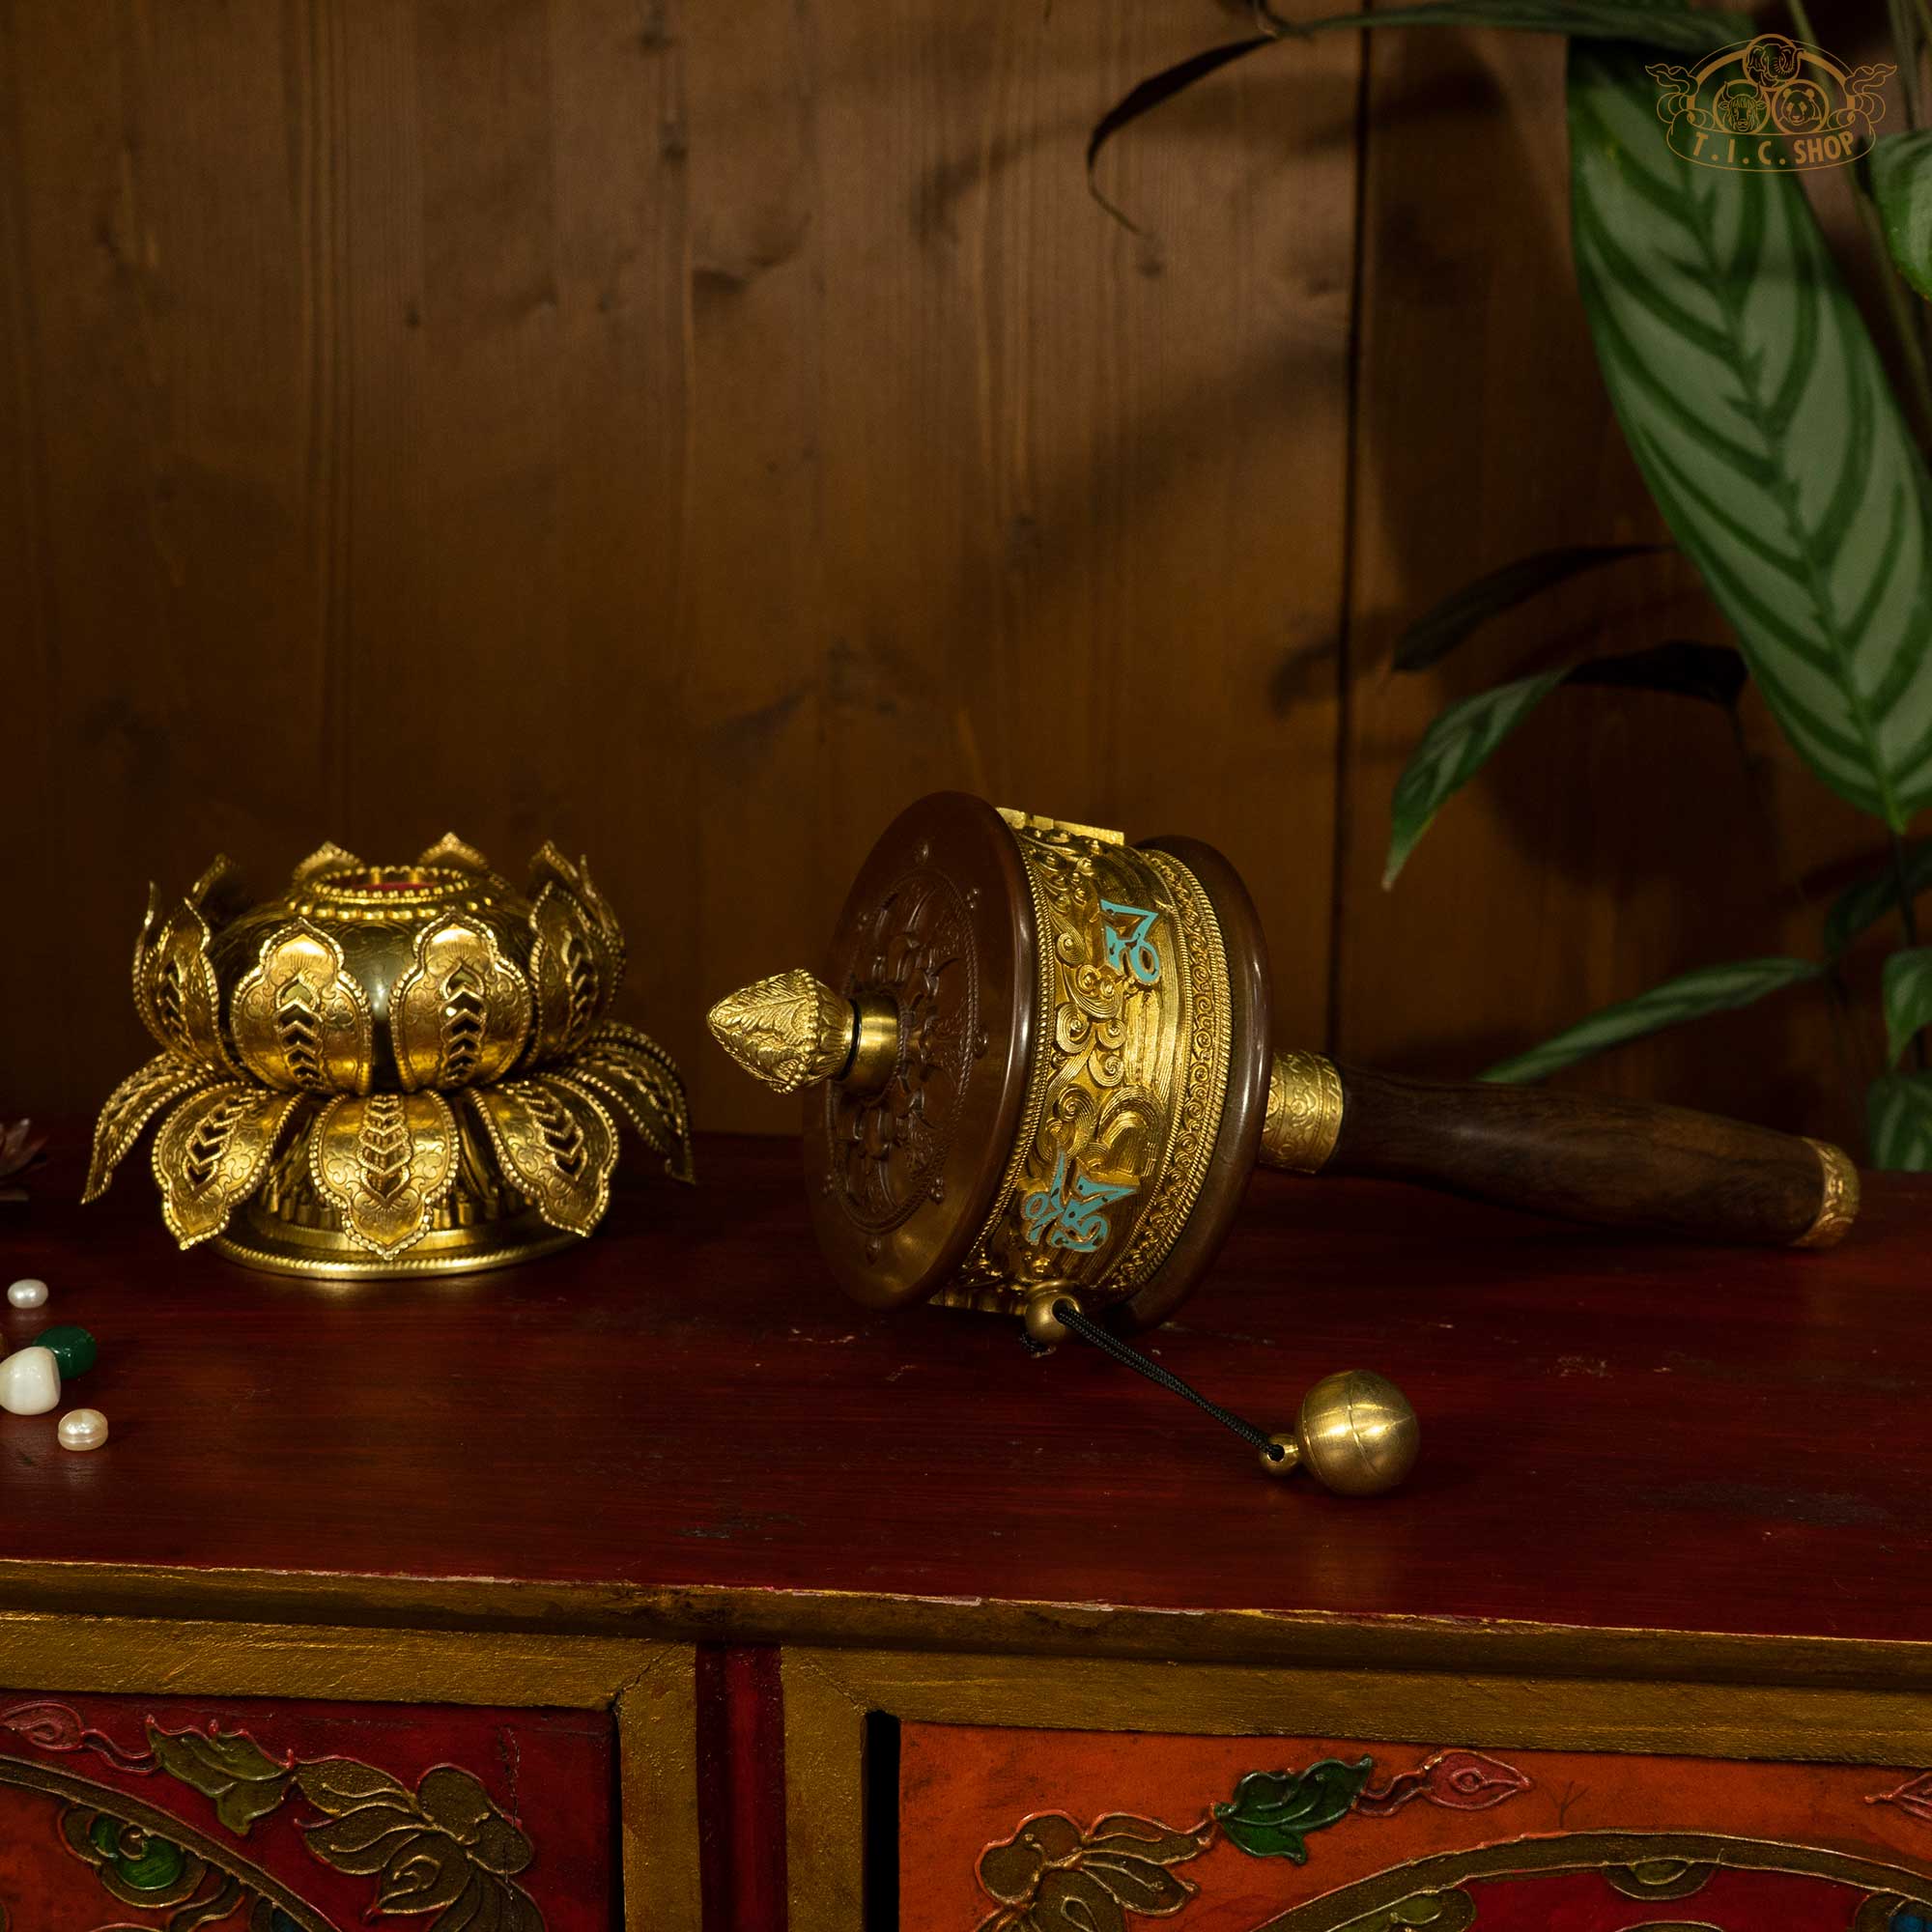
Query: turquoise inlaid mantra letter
point(1135, 951)
point(1069, 1216)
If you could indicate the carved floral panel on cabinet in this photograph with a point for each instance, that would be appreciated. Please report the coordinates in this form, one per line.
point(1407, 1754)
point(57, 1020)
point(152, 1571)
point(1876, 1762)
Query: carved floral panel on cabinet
point(1017, 1830)
point(120, 1814)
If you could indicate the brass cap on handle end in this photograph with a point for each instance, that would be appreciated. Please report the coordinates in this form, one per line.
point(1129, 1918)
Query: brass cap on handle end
point(1838, 1203)
point(791, 1031)
point(1356, 1434)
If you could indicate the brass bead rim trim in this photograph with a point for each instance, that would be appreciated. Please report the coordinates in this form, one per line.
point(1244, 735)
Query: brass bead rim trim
point(1839, 1207)
point(1304, 1112)
point(522, 1239)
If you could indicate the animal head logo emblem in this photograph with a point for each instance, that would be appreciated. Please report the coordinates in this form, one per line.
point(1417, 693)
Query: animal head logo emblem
point(1769, 105)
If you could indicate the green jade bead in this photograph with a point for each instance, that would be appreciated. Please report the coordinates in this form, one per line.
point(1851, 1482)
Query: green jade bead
point(71, 1348)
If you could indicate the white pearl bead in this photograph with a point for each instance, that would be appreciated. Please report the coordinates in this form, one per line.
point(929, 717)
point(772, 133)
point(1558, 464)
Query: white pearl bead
point(29, 1381)
point(27, 1294)
point(82, 1429)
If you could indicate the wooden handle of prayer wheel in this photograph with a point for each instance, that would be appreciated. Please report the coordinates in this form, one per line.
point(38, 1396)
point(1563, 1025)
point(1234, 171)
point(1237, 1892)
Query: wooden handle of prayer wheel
point(1585, 1157)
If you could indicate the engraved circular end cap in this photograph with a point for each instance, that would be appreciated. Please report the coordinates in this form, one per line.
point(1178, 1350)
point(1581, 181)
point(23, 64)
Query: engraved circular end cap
point(1358, 1433)
point(790, 1031)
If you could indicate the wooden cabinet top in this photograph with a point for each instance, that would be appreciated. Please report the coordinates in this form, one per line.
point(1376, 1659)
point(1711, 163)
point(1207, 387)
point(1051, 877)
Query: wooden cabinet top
point(683, 1424)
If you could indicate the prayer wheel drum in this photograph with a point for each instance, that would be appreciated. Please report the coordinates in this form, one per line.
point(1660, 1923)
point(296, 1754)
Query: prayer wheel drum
point(1039, 1061)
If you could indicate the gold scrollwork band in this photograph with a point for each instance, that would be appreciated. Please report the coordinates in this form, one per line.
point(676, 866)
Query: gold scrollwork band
point(1304, 1112)
point(1838, 1209)
point(1128, 1079)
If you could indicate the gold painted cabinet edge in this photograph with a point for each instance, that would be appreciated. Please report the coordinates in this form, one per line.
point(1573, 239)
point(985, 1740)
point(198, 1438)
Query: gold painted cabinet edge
point(828, 1694)
point(647, 1686)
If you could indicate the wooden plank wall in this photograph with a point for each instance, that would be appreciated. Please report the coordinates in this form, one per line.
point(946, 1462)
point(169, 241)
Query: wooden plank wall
point(689, 431)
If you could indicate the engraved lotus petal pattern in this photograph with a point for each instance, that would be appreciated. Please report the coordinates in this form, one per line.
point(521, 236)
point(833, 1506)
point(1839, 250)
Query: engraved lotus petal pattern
point(154, 1084)
point(351, 1007)
point(638, 1078)
point(386, 1161)
point(211, 1153)
point(462, 1013)
point(550, 865)
point(557, 1144)
point(573, 972)
point(299, 1019)
point(175, 988)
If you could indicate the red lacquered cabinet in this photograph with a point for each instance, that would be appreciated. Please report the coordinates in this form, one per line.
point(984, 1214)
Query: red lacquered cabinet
point(278, 1815)
point(652, 1585)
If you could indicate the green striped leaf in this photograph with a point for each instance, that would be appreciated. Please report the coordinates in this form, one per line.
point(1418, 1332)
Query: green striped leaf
point(1709, 989)
point(1452, 751)
point(1901, 178)
point(1861, 907)
point(1757, 410)
point(1898, 1117)
point(1908, 997)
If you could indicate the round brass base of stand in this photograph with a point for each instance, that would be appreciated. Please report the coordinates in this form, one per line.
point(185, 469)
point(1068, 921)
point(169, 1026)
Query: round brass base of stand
point(259, 1238)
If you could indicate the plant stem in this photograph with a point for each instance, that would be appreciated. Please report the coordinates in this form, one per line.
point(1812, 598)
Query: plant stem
point(1908, 917)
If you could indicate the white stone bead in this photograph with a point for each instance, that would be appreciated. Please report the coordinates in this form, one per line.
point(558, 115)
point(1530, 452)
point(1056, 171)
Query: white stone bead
point(82, 1429)
point(29, 1381)
point(27, 1294)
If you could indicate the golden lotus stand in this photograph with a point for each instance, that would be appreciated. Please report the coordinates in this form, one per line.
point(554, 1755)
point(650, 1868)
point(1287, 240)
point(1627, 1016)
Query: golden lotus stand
point(389, 1069)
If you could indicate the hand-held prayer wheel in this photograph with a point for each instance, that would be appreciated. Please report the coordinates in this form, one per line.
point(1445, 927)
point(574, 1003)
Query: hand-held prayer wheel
point(1039, 1065)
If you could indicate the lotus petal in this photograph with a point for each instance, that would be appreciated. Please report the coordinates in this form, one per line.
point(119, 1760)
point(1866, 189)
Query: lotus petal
point(132, 1105)
point(386, 1161)
point(641, 1079)
point(211, 1153)
point(462, 1013)
point(555, 1143)
point(573, 969)
point(299, 1018)
point(175, 988)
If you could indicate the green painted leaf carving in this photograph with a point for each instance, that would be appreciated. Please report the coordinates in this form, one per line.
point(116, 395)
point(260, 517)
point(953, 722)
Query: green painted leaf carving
point(1708, 990)
point(1861, 907)
point(1452, 751)
point(1755, 405)
point(229, 1767)
point(1908, 997)
point(1273, 1812)
point(1901, 178)
point(1898, 1112)
point(1438, 631)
